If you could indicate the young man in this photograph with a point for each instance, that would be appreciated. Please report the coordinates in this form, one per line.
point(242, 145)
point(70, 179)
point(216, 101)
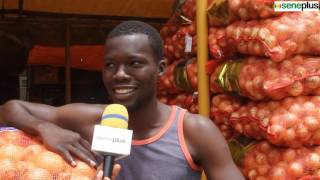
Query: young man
point(168, 142)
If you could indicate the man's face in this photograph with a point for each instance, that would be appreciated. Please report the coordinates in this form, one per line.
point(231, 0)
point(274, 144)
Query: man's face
point(130, 70)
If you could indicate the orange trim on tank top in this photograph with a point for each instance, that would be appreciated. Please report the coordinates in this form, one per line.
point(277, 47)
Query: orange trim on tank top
point(161, 132)
point(183, 144)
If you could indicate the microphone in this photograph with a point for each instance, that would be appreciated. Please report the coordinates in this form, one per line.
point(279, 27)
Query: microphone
point(112, 137)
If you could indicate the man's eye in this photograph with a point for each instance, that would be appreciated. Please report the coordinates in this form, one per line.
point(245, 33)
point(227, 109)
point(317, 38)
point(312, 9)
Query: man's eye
point(136, 63)
point(109, 65)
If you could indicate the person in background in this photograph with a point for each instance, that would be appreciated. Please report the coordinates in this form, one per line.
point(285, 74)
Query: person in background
point(168, 142)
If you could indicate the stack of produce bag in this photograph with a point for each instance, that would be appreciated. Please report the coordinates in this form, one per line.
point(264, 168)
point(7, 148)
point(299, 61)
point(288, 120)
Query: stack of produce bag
point(264, 82)
point(273, 60)
point(178, 85)
point(179, 35)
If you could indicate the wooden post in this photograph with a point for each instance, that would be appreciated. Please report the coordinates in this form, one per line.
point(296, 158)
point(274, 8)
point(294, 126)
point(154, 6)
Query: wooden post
point(67, 66)
point(202, 44)
point(20, 8)
point(2, 8)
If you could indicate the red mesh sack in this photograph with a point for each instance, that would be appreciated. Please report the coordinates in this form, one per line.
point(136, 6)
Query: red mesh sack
point(262, 79)
point(182, 100)
point(293, 121)
point(184, 14)
point(181, 76)
point(224, 12)
point(277, 38)
point(175, 46)
point(217, 45)
point(23, 157)
point(263, 161)
point(166, 84)
point(172, 26)
point(178, 20)
point(188, 8)
point(221, 107)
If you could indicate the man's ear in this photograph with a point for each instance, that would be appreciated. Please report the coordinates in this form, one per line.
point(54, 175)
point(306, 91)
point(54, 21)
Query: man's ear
point(162, 66)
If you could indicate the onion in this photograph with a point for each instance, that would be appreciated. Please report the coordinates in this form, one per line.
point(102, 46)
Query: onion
point(296, 89)
point(313, 161)
point(289, 155)
point(252, 174)
point(261, 158)
point(276, 130)
point(265, 147)
point(263, 170)
point(290, 120)
point(290, 135)
point(302, 132)
point(295, 170)
point(296, 109)
point(272, 73)
point(238, 127)
point(313, 82)
point(260, 178)
point(311, 123)
point(300, 71)
point(274, 157)
point(249, 162)
point(308, 106)
point(316, 136)
point(278, 173)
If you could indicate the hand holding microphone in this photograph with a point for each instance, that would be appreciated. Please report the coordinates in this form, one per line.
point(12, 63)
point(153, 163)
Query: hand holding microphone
point(115, 172)
point(112, 138)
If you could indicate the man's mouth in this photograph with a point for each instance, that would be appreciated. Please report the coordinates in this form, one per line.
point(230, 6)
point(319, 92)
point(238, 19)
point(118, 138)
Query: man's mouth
point(123, 90)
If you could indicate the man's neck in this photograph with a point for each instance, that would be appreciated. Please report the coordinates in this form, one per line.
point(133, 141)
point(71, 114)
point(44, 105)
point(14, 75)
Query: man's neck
point(147, 120)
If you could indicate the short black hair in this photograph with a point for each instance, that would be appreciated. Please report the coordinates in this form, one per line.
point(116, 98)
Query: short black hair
point(138, 27)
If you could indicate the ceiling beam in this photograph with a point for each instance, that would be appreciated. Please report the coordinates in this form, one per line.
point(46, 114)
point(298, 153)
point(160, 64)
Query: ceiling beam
point(50, 31)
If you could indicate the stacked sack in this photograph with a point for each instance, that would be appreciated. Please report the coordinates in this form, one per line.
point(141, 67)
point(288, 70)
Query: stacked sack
point(179, 81)
point(178, 84)
point(180, 47)
point(23, 157)
point(179, 35)
point(272, 59)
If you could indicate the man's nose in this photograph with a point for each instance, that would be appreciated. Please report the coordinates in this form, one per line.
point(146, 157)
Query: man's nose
point(121, 73)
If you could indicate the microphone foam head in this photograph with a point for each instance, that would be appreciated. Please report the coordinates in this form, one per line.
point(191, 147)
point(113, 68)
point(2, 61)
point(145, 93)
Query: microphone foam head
point(115, 115)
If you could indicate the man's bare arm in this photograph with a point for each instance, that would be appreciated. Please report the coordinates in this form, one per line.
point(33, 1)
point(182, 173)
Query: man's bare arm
point(210, 149)
point(50, 122)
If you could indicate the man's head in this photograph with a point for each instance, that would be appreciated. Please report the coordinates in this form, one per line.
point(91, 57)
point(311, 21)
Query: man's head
point(133, 61)
point(137, 27)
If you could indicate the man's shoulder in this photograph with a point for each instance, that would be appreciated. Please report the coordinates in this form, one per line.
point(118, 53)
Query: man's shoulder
point(191, 119)
point(197, 125)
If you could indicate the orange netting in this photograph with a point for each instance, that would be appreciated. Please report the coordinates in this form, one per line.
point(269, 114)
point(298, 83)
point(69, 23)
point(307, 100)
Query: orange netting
point(23, 157)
